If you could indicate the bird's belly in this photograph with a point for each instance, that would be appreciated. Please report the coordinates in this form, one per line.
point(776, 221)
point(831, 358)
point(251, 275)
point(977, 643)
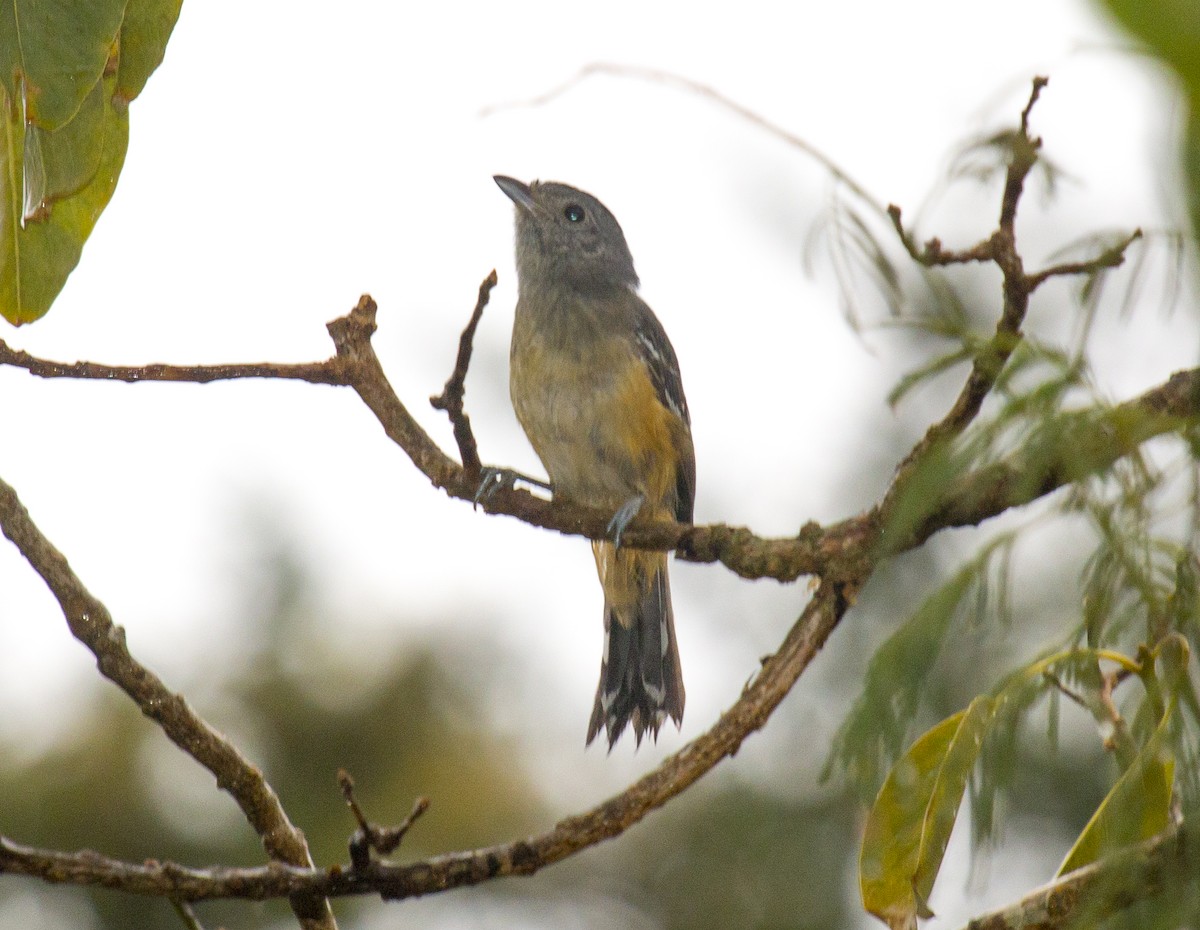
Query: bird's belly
point(600, 432)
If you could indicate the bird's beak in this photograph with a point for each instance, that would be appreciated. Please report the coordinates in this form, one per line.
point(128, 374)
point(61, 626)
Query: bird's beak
point(519, 193)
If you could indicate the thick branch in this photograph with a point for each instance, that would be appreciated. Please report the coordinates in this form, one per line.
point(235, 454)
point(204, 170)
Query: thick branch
point(1087, 896)
point(91, 624)
point(521, 857)
point(1087, 443)
point(839, 552)
point(357, 366)
point(843, 555)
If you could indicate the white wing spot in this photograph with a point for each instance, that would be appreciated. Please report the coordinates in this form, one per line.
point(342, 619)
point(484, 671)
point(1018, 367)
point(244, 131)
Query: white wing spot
point(650, 347)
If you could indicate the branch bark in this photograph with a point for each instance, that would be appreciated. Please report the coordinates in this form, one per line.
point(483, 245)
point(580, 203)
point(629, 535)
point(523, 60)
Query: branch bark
point(520, 857)
point(91, 623)
point(1087, 896)
point(843, 556)
point(846, 551)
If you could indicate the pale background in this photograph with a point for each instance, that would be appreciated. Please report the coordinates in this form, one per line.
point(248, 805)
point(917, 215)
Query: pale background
point(285, 159)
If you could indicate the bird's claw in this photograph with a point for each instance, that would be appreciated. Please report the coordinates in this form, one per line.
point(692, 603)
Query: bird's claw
point(623, 517)
point(493, 479)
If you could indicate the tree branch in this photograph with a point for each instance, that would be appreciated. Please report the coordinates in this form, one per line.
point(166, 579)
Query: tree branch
point(1017, 289)
point(707, 93)
point(1088, 895)
point(1110, 258)
point(91, 623)
point(1087, 442)
point(327, 372)
point(1000, 248)
point(841, 551)
point(451, 398)
point(520, 857)
point(843, 555)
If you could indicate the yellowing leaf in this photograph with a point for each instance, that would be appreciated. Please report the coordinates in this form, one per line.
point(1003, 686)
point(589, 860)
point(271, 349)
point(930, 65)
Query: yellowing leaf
point(144, 34)
point(37, 255)
point(68, 69)
point(1137, 808)
point(910, 823)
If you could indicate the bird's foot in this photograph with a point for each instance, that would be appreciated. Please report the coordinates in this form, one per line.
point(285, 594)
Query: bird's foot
point(623, 517)
point(493, 479)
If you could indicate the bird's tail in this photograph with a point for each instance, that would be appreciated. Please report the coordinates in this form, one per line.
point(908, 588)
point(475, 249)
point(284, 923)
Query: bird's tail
point(640, 678)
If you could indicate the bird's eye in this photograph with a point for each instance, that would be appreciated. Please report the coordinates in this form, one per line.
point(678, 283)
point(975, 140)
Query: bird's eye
point(573, 212)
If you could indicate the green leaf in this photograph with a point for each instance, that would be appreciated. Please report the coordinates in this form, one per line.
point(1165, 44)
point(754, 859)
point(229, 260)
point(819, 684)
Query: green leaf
point(144, 34)
point(1191, 158)
point(911, 821)
point(1137, 808)
point(927, 371)
point(1170, 27)
point(52, 53)
point(68, 158)
point(38, 253)
point(874, 730)
point(878, 724)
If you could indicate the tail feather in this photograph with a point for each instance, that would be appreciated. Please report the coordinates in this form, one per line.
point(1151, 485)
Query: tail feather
point(640, 677)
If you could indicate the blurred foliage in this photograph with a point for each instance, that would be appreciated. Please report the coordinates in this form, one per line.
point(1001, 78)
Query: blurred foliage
point(68, 70)
point(954, 701)
point(1125, 637)
point(724, 854)
point(910, 823)
point(417, 730)
point(1171, 30)
point(874, 732)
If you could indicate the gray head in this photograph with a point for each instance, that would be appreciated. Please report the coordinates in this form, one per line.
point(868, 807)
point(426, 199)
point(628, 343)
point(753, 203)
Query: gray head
point(567, 238)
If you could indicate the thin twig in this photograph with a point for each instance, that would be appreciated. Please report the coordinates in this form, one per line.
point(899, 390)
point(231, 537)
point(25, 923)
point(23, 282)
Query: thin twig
point(1069, 693)
point(1039, 83)
point(1109, 258)
point(933, 253)
point(1104, 711)
point(1119, 740)
point(91, 623)
point(370, 837)
point(451, 398)
point(187, 915)
point(326, 372)
point(1016, 289)
point(1001, 248)
point(704, 91)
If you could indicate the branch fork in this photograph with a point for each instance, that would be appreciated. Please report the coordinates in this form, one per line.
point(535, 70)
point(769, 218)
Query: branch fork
point(841, 557)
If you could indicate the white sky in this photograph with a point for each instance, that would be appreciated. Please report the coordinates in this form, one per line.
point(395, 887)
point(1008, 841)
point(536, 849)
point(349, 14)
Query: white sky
point(284, 160)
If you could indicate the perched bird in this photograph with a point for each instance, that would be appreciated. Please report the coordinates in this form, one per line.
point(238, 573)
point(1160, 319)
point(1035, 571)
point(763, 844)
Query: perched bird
point(596, 386)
